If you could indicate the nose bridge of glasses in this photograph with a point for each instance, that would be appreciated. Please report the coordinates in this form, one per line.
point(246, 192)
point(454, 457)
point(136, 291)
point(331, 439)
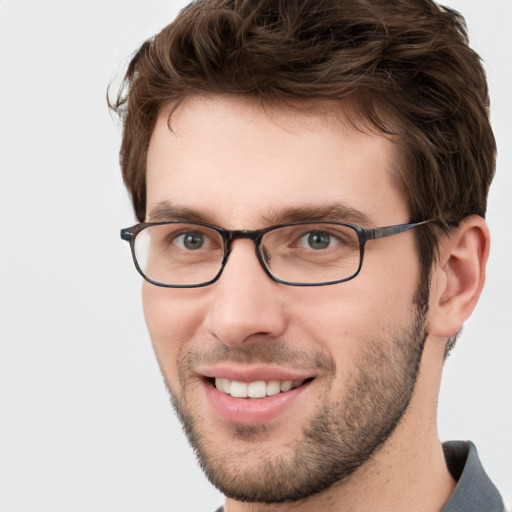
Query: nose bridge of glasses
point(255, 235)
point(230, 237)
point(240, 234)
point(251, 234)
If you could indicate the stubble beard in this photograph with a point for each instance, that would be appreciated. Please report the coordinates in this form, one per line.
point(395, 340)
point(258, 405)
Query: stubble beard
point(341, 437)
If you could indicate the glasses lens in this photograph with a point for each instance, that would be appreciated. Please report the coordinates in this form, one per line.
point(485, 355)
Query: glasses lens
point(179, 254)
point(311, 253)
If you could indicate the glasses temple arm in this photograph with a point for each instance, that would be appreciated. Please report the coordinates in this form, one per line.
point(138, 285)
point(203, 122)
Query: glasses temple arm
point(393, 230)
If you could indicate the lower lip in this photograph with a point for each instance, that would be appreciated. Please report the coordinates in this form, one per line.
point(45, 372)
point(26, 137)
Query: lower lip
point(251, 411)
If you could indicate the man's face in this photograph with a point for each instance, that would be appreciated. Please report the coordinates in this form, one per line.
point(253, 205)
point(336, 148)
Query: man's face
point(350, 351)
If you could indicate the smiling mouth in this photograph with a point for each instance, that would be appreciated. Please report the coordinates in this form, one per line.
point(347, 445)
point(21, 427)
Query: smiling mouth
point(256, 389)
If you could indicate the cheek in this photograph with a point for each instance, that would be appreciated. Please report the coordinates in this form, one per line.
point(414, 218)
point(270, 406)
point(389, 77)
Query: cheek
point(173, 318)
point(345, 318)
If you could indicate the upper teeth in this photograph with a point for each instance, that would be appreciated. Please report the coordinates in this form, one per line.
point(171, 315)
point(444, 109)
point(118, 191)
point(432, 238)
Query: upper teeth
point(258, 389)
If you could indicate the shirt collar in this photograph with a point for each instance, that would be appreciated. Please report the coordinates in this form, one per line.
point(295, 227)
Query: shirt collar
point(474, 491)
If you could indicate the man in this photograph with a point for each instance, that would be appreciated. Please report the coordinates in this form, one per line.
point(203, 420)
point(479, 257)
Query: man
point(310, 180)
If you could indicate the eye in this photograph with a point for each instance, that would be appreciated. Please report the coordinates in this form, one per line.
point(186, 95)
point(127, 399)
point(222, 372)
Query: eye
point(318, 240)
point(191, 240)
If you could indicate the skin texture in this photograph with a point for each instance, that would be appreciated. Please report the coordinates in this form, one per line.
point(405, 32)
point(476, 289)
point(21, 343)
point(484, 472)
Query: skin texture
point(362, 430)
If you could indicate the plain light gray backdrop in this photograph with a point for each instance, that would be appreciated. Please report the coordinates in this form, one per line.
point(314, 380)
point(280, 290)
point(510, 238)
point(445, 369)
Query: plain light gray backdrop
point(85, 421)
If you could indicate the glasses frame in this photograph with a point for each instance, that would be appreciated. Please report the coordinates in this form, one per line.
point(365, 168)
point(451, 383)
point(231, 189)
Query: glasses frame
point(256, 235)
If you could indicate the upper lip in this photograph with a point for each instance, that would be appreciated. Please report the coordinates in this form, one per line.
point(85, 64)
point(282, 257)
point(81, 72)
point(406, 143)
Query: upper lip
point(253, 373)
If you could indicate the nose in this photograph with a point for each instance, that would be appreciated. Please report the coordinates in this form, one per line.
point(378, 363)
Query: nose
point(245, 303)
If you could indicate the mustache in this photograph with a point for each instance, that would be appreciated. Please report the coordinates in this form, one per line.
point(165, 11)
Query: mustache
point(271, 352)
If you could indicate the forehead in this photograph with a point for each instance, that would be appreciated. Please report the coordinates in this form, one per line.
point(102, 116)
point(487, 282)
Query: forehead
point(238, 162)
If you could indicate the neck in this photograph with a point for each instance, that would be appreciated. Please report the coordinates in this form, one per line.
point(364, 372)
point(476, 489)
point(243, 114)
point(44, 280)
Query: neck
point(407, 473)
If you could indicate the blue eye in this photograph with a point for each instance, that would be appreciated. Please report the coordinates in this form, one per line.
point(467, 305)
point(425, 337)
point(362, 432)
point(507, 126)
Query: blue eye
point(192, 240)
point(318, 240)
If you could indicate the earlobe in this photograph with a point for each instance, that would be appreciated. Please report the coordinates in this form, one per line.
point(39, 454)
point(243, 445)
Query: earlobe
point(459, 276)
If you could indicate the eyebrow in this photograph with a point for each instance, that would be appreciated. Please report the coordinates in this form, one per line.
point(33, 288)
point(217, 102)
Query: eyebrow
point(333, 212)
point(164, 210)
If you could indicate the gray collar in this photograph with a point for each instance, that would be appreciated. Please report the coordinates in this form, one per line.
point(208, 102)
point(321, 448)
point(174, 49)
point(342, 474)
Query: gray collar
point(474, 491)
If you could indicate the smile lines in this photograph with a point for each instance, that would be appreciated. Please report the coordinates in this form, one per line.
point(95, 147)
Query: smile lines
point(257, 389)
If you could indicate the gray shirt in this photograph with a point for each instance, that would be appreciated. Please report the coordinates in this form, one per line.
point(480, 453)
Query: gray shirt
point(474, 491)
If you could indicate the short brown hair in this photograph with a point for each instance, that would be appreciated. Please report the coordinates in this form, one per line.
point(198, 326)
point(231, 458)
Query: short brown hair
point(405, 64)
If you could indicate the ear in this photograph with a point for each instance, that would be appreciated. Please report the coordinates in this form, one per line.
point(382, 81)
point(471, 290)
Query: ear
point(459, 276)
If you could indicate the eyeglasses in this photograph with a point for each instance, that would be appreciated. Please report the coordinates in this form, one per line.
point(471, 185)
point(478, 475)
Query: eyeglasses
point(179, 254)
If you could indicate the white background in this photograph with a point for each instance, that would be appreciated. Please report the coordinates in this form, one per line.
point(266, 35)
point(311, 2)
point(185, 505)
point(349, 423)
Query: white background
point(85, 422)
